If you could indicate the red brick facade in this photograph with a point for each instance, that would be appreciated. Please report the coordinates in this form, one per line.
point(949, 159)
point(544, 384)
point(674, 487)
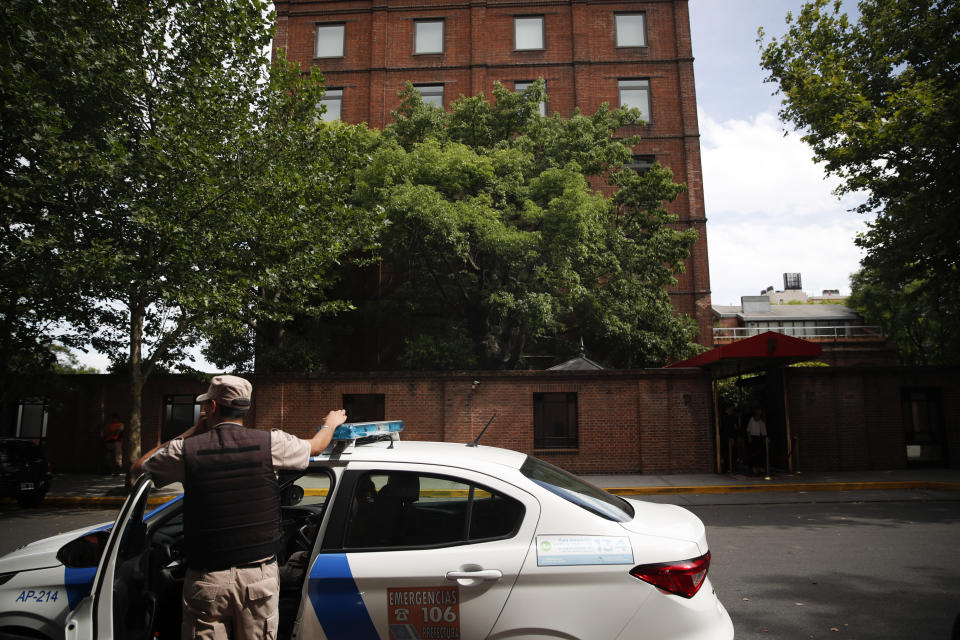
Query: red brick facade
point(648, 421)
point(651, 421)
point(579, 61)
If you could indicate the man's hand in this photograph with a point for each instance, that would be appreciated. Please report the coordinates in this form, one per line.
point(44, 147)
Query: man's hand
point(335, 418)
point(324, 434)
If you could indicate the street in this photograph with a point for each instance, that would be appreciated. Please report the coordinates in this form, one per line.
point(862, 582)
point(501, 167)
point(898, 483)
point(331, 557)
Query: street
point(869, 570)
point(872, 566)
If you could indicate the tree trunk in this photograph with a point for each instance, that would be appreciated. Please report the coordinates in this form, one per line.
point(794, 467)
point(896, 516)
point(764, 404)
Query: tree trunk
point(131, 439)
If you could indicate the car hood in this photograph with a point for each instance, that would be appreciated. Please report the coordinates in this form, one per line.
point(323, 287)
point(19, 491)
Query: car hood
point(666, 521)
point(42, 553)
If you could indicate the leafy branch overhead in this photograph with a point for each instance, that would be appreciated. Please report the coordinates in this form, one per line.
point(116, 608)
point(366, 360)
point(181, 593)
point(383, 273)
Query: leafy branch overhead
point(876, 99)
point(165, 175)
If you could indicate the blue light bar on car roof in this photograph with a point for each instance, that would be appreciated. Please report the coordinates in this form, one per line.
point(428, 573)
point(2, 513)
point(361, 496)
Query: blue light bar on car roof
point(354, 430)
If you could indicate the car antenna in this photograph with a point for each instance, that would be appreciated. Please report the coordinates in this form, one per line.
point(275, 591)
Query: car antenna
point(483, 431)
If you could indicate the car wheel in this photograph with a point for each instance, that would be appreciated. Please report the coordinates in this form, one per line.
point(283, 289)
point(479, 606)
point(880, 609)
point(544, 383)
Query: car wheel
point(31, 499)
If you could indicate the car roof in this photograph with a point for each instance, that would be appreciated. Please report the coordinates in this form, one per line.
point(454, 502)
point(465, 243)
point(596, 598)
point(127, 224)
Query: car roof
point(450, 454)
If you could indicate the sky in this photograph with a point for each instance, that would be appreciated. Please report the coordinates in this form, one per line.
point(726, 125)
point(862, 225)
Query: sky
point(770, 209)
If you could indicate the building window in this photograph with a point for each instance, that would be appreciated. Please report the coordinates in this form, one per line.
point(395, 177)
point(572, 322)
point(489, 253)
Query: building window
point(32, 419)
point(631, 29)
point(522, 86)
point(636, 94)
point(364, 407)
point(641, 163)
point(330, 38)
point(528, 33)
point(428, 36)
point(555, 421)
point(431, 94)
point(333, 101)
point(179, 414)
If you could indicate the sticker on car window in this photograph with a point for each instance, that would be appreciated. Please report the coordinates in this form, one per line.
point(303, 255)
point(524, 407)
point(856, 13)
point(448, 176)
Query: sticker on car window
point(419, 613)
point(560, 550)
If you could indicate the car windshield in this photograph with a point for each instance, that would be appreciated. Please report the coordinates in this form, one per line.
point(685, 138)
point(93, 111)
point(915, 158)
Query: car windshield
point(571, 488)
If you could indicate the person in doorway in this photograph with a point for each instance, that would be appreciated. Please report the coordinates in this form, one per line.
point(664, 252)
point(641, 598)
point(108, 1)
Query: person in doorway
point(756, 440)
point(231, 589)
point(112, 435)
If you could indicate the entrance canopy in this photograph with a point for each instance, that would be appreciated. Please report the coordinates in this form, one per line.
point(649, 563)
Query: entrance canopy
point(758, 353)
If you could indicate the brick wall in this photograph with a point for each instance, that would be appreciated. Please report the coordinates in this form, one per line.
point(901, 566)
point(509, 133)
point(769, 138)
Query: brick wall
point(651, 421)
point(648, 421)
point(852, 418)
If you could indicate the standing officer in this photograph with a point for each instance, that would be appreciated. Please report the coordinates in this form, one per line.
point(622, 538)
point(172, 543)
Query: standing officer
point(231, 510)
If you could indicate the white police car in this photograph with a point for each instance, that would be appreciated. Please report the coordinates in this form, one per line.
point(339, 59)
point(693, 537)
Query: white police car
point(401, 541)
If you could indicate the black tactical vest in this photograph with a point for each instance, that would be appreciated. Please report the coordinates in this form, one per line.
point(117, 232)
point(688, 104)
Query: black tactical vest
point(231, 499)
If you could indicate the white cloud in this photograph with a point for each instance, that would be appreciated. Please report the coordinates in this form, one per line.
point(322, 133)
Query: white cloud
point(770, 210)
point(751, 167)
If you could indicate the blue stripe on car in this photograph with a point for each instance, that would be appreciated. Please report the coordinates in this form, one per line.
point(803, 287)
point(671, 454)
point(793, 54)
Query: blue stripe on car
point(78, 582)
point(337, 600)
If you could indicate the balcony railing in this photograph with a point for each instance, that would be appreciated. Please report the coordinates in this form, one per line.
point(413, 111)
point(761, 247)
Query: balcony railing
point(723, 335)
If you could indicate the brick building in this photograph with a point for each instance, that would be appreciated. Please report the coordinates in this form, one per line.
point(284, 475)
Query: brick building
point(600, 421)
point(636, 53)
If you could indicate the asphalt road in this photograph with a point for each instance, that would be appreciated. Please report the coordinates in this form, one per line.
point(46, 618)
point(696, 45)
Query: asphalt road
point(871, 566)
point(20, 526)
point(869, 570)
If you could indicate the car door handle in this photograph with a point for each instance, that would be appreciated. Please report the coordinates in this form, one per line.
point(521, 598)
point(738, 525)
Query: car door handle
point(483, 574)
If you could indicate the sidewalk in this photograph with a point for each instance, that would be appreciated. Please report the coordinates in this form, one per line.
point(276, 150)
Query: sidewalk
point(93, 490)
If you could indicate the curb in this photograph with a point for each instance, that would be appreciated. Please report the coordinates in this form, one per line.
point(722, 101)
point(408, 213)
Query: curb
point(796, 487)
point(104, 501)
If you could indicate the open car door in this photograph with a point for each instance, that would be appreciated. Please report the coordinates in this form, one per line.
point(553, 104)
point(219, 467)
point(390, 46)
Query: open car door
point(120, 605)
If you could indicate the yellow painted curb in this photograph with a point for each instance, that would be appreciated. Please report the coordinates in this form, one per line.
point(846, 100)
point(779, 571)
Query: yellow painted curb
point(105, 501)
point(795, 487)
point(756, 487)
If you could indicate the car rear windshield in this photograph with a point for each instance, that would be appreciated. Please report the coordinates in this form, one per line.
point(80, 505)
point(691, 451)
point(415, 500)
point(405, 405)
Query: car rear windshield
point(571, 488)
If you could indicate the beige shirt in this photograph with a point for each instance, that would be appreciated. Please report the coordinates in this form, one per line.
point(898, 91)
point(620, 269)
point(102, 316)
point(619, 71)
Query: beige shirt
point(166, 464)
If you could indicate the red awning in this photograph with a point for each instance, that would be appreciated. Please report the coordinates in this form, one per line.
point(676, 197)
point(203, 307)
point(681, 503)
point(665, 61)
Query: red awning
point(761, 352)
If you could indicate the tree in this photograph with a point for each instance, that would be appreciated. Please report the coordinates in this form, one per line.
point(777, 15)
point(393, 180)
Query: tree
point(877, 100)
point(498, 246)
point(47, 106)
point(922, 329)
point(177, 177)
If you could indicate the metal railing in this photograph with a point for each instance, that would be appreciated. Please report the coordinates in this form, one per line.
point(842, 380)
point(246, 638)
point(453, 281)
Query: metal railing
point(863, 333)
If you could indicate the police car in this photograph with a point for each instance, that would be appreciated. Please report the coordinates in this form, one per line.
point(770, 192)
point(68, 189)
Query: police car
point(399, 540)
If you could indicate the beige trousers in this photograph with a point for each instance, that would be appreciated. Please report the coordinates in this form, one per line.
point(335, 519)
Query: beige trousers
point(236, 604)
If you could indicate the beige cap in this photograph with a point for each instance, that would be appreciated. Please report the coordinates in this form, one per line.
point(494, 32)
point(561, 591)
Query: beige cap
point(229, 391)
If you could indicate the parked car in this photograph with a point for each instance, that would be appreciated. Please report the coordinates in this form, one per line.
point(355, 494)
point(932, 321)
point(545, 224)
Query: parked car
point(24, 472)
point(400, 540)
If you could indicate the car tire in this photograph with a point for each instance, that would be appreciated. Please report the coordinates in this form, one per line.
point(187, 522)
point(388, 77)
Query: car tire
point(31, 499)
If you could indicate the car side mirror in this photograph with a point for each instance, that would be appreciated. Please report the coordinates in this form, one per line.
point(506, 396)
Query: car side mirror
point(85, 551)
point(291, 495)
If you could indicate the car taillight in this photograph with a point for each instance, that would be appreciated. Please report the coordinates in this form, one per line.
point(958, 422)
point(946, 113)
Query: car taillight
point(682, 578)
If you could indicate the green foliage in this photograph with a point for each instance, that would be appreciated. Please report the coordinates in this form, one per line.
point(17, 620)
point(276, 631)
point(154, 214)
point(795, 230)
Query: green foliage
point(68, 363)
point(167, 179)
point(877, 100)
point(503, 248)
point(913, 317)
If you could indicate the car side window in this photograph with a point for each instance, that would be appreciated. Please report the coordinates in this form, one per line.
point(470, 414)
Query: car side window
point(316, 488)
point(414, 510)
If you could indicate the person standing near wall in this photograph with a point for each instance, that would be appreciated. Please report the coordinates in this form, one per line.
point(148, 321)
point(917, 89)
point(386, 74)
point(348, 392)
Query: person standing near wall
point(112, 434)
point(756, 440)
point(232, 588)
